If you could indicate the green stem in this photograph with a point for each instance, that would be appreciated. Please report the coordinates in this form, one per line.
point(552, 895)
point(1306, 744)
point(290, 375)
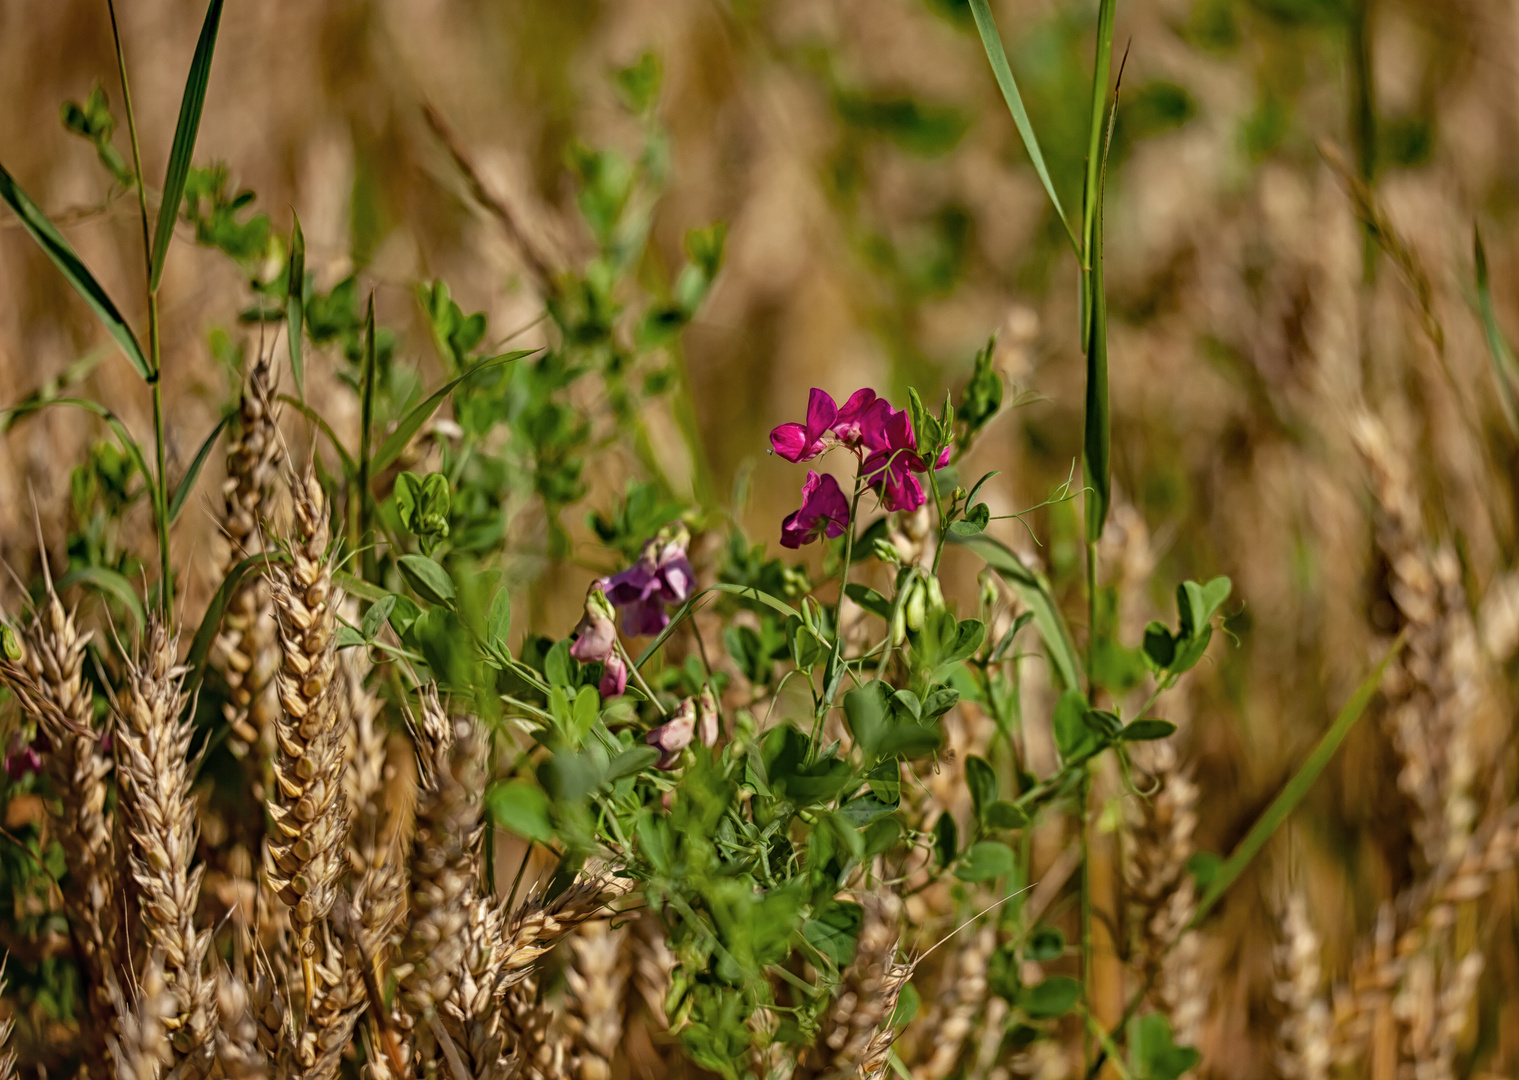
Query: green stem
point(638, 678)
point(832, 682)
point(161, 495)
point(1091, 619)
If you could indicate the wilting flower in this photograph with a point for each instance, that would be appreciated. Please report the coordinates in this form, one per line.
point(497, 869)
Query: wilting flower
point(596, 641)
point(824, 510)
point(661, 576)
point(894, 459)
point(674, 735)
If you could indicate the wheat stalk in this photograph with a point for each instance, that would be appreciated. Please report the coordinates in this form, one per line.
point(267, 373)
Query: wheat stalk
point(307, 847)
point(153, 761)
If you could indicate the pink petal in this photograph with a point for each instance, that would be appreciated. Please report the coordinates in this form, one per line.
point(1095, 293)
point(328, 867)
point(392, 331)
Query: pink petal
point(821, 413)
point(790, 442)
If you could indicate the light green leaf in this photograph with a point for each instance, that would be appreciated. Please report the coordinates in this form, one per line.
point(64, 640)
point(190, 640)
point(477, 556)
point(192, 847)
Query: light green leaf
point(108, 582)
point(986, 861)
point(295, 305)
point(427, 579)
point(187, 482)
point(520, 807)
point(1034, 592)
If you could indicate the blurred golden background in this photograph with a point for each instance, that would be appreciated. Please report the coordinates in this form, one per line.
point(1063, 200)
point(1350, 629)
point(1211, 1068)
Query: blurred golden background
point(1299, 377)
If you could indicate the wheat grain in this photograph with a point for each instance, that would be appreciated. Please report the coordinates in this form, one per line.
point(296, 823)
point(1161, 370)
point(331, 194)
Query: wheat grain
point(153, 761)
point(857, 1014)
point(306, 852)
point(238, 1051)
point(1303, 1049)
point(140, 1046)
point(953, 1016)
point(597, 978)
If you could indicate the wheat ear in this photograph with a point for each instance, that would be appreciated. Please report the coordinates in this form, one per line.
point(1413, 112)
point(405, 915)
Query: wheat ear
point(49, 681)
point(247, 649)
point(537, 926)
point(307, 845)
point(597, 978)
point(140, 1046)
point(856, 1014)
point(153, 761)
point(1303, 1036)
point(238, 1051)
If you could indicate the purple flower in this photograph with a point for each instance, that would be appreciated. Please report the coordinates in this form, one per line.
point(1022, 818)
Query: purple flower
point(596, 641)
point(803, 442)
point(26, 758)
point(674, 735)
point(862, 410)
point(824, 510)
point(662, 576)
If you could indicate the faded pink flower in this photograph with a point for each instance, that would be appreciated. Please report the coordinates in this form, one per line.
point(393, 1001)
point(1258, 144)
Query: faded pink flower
point(614, 676)
point(674, 735)
point(708, 721)
point(824, 510)
point(596, 641)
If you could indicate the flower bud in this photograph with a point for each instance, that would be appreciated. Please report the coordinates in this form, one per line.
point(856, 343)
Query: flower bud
point(988, 586)
point(899, 625)
point(614, 676)
point(708, 720)
point(916, 605)
point(596, 635)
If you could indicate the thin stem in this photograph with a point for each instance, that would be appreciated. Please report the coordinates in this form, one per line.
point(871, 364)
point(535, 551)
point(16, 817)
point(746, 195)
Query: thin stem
point(161, 495)
point(638, 678)
point(1091, 618)
point(832, 682)
point(1086, 908)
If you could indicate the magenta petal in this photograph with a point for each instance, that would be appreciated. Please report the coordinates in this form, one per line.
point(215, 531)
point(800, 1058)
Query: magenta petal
point(821, 413)
point(790, 442)
point(793, 534)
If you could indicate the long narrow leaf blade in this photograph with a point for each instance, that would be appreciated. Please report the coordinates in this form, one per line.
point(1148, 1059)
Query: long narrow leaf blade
point(1035, 593)
point(210, 623)
point(295, 309)
point(187, 482)
point(992, 42)
point(129, 444)
point(349, 468)
point(73, 268)
point(1505, 368)
point(185, 131)
point(1097, 437)
point(412, 422)
point(109, 582)
point(1296, 787)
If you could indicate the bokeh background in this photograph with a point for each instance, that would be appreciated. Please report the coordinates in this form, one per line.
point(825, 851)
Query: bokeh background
point(1292, 195)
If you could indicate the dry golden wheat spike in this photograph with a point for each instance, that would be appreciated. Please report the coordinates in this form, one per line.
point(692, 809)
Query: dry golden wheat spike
point(153, 762)
point(306, 852)
point(597, 978)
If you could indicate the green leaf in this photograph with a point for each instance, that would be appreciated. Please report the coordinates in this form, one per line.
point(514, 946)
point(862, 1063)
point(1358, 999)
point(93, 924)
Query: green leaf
point(1505, 367)
point(946, 839)
point(943, 699)
point(295, 304)
point(376, 617)
point(522, 808)
point(1073, 737)
point(1160, 646)
point(631, 761)
point(1296, 787)
point(968, 637)
point(583, 714)
point(498, 621)
point(427, 579)
point(869, 599)
point(185, 131)
point(187, 482)
point(982, 782)
point(1055, 996)
point(109, 582)
point(1005, 815)
point(74, 270)
point(992, 42)
point(129, 444)
point(1034, 592)
point(412, 422)
point(835, 931)
point(556, 665)
point(986, 861)
point(1153, 1053)
point(974, 522)
point(1147, 729)
point(210, 622)
point(1046, 943)
point(349, 466)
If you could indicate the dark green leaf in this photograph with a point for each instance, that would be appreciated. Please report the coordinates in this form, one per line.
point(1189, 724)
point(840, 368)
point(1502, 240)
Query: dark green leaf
point(982, 782)
point(376, 616)
point(986, 861)
point(868, 599)
point(835, 931)
point(1046, 943)
point(427, 579)
point(1005, 815)
point(974, 522)
point(1153, 1053)
point(1160, 646)
point(968, 637)
point(1034, 591)
point(1073, 737)
point(498, 622)
point(74, 270)
point(187, 482)
point(185, 131)
point(630, 762)
point(946, 840)
point(943, 699)
point(1147, 729)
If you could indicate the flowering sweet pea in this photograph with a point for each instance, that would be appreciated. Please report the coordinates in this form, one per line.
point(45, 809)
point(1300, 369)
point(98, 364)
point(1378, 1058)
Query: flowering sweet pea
point(894, 459)
point(662, 576)
point(824, 510)
point(828, 425)
point(674, 735)
point(596, 642)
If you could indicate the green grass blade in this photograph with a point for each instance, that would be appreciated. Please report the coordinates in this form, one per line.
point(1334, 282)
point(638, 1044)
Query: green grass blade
point(1097, 436)
point(110, 583)
point(129, 444)
point(1505, 368)
point(991, 41)
point(185, 131)
point(412, 422)
point(73, 268)
point(187, 482)
point(1034, 591)
point(366, 422)
point(211, 621)
point(1102, 71)
point(49, 391)
point(325, 428)
point(295, 305)
point(1296, 787)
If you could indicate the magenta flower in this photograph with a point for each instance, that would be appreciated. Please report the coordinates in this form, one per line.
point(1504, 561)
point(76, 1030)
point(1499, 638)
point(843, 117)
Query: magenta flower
point(25, 758)
point(596, 641)
point(894, 459)
point(662, 576)
point(861, 412)
point(674, 735)
point(824, 510)
point(803, 442)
